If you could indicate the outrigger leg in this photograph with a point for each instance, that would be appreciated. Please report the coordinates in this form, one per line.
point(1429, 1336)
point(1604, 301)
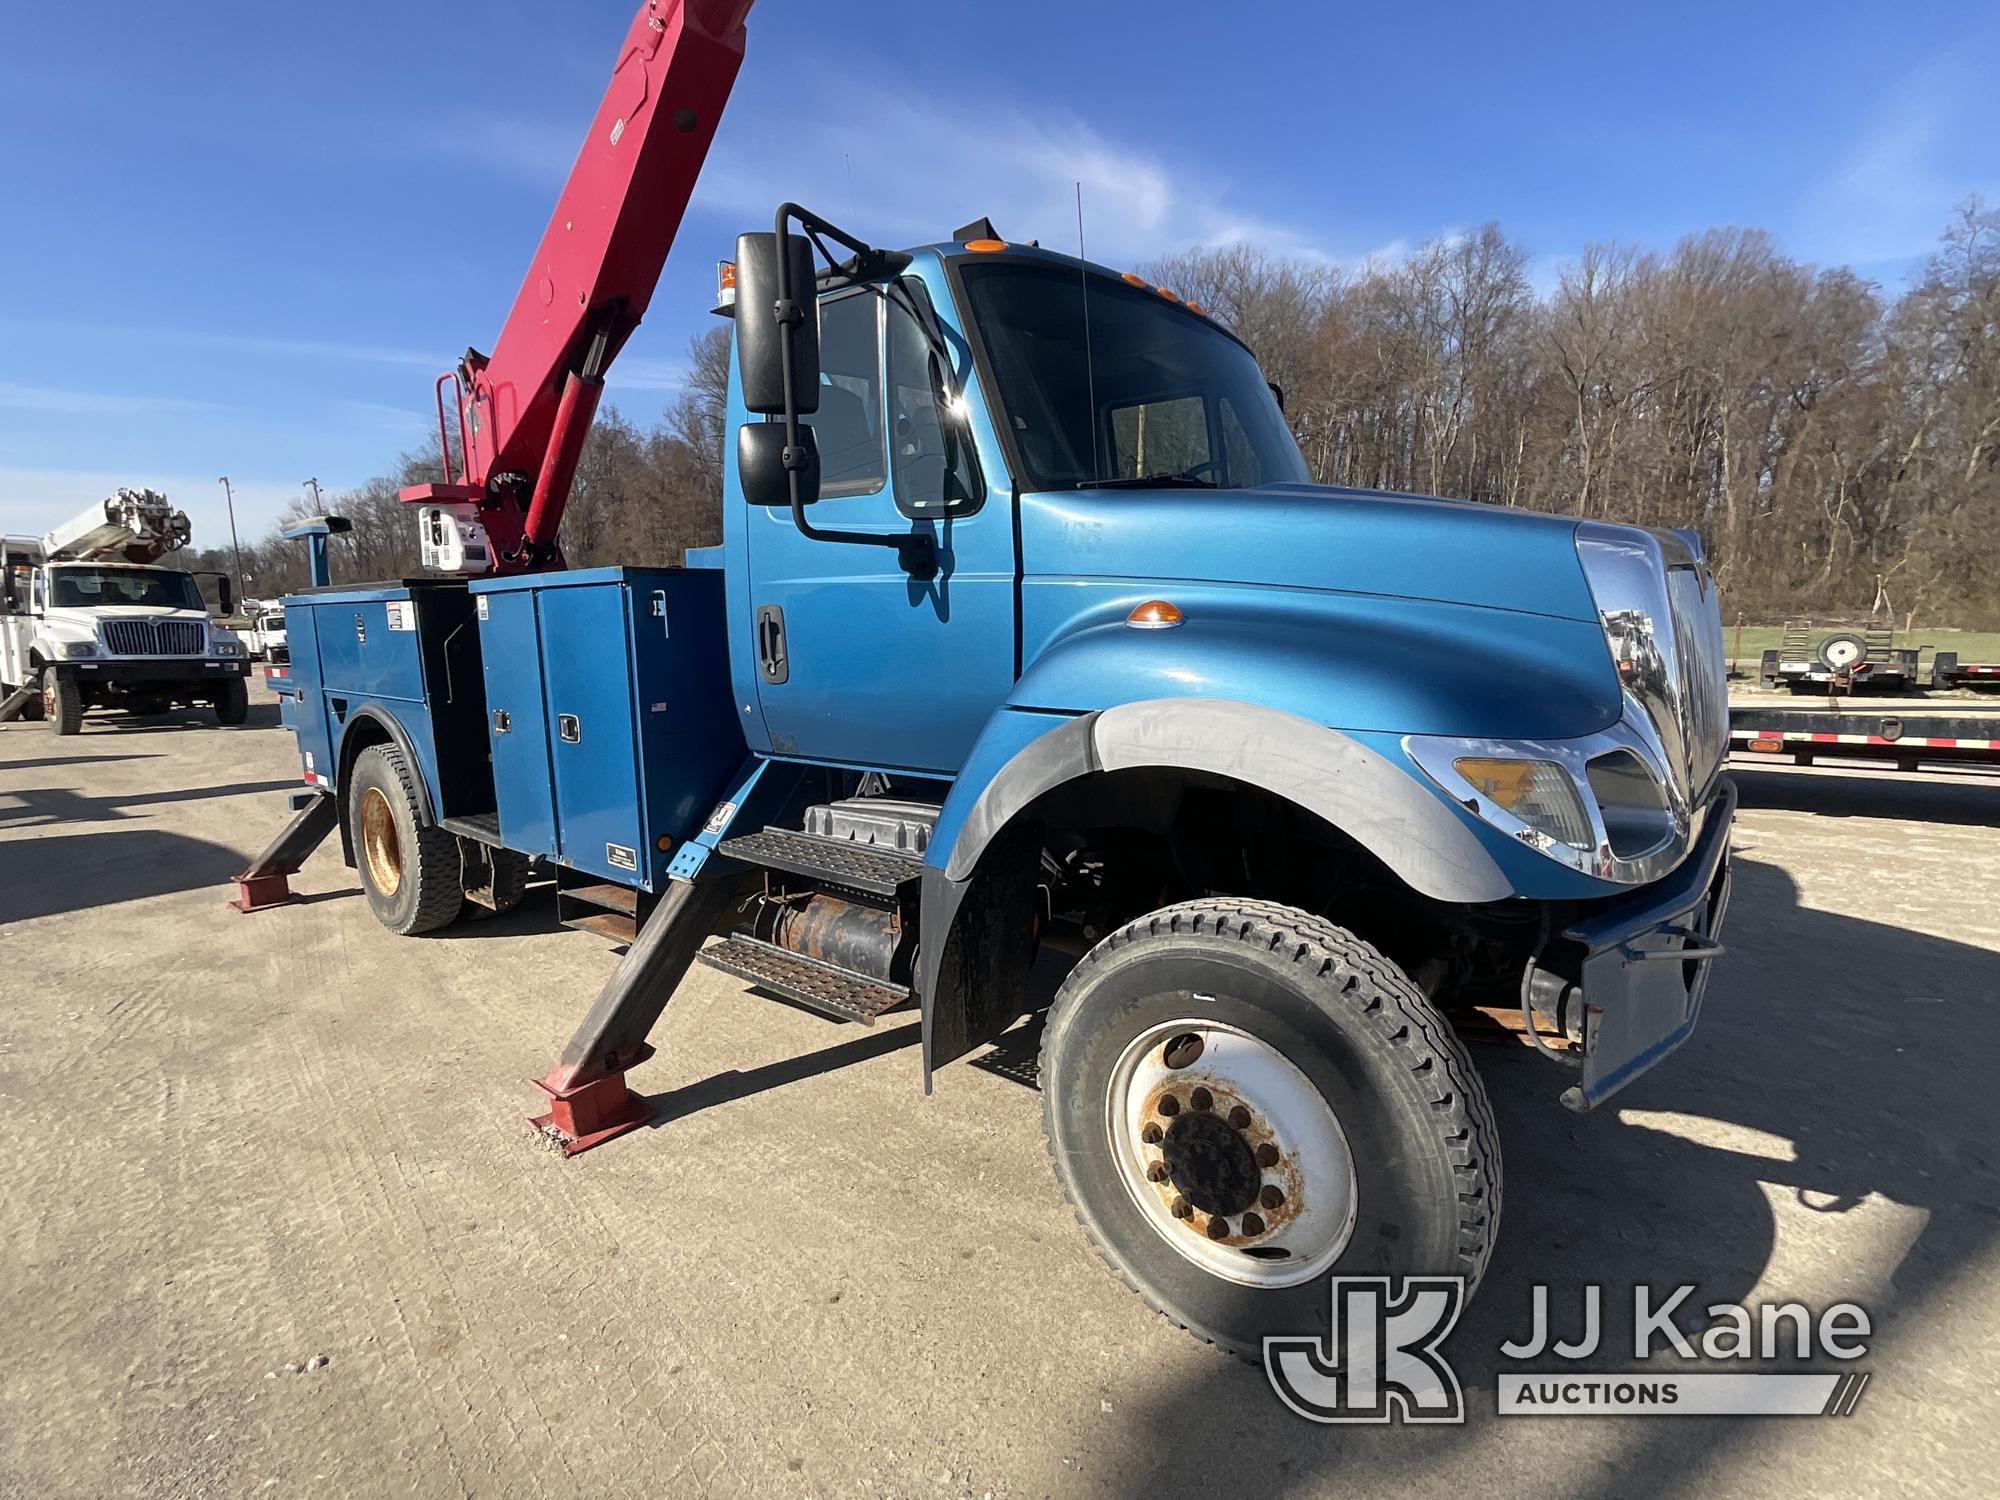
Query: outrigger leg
point(265, 884)
point(588, 1100)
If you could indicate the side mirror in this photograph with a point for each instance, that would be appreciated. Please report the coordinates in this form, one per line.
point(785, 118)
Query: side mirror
point(225, 594)
point(1277, 393)
point(764, 328)
point(760, 464)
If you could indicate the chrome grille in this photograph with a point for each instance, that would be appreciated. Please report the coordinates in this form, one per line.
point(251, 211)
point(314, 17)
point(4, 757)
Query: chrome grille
point(1703, 671)
point(154, 637)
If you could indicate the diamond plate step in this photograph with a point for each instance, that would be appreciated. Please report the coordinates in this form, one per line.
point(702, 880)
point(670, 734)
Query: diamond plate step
point(840, 993)
point(858, 867)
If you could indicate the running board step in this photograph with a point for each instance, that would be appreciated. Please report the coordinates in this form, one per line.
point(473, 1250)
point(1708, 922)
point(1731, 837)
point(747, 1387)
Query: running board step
point(841, 862)
point(840, 993)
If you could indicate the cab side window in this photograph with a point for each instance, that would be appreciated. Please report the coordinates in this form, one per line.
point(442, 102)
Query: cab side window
point(932, 454)
point(848, 424)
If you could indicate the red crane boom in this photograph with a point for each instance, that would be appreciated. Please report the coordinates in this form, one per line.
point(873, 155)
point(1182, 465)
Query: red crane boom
point(525, 411)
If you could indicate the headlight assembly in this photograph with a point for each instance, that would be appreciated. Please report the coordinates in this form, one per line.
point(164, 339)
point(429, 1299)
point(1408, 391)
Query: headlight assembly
point(1537, 792)
point(77, 648)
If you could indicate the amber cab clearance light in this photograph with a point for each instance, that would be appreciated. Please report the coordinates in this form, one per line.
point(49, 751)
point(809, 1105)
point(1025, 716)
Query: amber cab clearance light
point(986, 246)
point(1134, 279)
point(1154, 614)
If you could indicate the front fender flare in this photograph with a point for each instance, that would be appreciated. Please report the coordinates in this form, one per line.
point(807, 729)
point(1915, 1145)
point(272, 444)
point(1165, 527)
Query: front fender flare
point(1370, 798)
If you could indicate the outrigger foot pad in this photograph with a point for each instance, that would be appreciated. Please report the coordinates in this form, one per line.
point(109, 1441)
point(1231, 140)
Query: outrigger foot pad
point(589, 1114)
point(267, 882)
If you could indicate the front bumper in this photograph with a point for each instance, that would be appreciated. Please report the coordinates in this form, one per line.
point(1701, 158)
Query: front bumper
point(1645, 962)
point(115, 672)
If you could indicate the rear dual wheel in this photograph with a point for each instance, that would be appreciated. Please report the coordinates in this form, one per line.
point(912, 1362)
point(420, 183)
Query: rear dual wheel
point(1243, 1101)
point(409, 868)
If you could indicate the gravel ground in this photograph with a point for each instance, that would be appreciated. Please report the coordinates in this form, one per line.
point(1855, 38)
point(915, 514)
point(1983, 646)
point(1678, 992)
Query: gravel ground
point(272, 1222)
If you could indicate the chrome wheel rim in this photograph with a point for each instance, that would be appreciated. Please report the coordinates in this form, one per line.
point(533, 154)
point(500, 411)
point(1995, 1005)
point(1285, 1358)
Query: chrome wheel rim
point(1231, 1154)
point(379, 844)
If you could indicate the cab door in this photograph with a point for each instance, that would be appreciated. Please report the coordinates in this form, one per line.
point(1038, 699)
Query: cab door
point(859, 661)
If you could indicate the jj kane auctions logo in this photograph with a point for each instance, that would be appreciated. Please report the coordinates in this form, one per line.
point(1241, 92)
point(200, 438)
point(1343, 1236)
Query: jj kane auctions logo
point(1381, 1359)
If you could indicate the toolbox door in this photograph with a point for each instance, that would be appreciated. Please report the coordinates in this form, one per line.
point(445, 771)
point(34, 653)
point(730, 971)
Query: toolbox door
point(586, 668)
point(516, 722)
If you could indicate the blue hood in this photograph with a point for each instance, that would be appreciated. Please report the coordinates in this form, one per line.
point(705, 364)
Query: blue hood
point(1313, 537)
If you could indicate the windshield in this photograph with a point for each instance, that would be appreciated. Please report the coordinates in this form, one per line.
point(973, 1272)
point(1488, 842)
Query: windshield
point(93, 588)
point(1176, 400)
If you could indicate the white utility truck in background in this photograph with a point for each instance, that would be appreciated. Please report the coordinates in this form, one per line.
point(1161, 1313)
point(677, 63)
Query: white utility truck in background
point(89, 618)
point(266, 635)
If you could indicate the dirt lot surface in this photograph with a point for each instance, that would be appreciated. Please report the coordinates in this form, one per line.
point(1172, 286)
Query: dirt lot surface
point(271, 1222)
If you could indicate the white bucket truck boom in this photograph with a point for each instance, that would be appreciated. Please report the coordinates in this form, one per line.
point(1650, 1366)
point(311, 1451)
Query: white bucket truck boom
point(90, 618)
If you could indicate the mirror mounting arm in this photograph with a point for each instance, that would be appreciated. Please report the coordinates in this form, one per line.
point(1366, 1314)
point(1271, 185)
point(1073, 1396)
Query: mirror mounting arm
point(916, 551)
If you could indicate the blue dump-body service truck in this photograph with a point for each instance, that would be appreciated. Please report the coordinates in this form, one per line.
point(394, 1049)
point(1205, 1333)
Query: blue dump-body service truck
point(1029, 638)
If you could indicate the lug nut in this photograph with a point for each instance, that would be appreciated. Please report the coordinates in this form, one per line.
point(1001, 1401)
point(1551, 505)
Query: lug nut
point(1267, 1156)
point(1240, 1117)
point(1169, 1105)
point(1252, 1224)
point(1151, 1133)
point(1218, 1228)
point(1157, 1172)
point(1201, 1098)
point(1180, 1208)
point(1272, 1196)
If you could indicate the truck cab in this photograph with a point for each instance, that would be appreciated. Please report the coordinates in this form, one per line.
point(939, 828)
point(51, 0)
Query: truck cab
point(83, 625)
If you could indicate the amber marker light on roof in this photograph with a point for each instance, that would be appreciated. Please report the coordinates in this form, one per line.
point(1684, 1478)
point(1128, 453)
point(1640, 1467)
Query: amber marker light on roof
point(986, 245)
point(1164, 292)
point(1154, 614)
point(1135, 280)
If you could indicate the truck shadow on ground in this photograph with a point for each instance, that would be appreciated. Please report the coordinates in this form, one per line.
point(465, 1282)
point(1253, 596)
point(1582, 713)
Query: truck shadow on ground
point(1848, 1060)
point(260, 716)
point(34, 807)
point(1967, 799)
point(63, 872)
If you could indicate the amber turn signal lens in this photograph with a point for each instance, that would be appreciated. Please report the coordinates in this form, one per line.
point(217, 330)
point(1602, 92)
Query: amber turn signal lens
point(1135, 280)
point(1154, 614)
point(986, 245)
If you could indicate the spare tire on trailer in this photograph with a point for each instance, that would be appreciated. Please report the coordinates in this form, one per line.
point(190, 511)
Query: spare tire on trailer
point(1243, 1101)
point(409, 868)
point(1842, 651)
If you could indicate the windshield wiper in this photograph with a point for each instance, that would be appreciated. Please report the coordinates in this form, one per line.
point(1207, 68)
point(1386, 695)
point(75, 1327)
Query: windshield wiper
point(1152, 482)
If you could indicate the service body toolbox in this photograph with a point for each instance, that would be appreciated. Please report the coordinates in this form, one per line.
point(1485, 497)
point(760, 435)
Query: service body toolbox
point(396, 661)
point(608, 713)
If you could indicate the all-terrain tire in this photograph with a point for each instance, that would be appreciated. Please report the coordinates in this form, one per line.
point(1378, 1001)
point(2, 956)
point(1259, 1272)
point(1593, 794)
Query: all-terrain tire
point(232, 702)
point(409, 869)
point(62, 703)
point(1425, 1151)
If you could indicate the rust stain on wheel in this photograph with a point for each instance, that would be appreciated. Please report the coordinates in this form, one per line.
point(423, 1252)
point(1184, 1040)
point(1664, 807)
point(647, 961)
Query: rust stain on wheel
point(379, 844)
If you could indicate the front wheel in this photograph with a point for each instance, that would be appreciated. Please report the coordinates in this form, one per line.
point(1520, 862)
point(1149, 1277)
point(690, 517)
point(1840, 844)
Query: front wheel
point(232, 702)
point(1243, 1100)
point(62, 703)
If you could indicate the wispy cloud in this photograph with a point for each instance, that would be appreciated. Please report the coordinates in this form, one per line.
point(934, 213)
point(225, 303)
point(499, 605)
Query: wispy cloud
point(639, 373)
point(1892, 192)
point(925, 164)
point(51, 401)
point(245, 343)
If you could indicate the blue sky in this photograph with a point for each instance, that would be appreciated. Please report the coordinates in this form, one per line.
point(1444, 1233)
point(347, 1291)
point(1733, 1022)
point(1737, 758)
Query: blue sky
point(241, 238)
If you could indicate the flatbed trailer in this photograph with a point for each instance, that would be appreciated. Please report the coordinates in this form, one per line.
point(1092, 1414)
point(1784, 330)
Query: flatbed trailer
point(1909, 737)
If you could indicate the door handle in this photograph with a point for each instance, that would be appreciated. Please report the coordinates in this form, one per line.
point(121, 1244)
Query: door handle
point(660, 610)
point(568, 730)
point(771, 657)
point(502, 721)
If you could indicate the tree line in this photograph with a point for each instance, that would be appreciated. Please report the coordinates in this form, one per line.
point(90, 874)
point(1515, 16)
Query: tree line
point(1836, 446)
